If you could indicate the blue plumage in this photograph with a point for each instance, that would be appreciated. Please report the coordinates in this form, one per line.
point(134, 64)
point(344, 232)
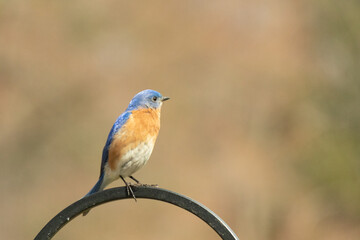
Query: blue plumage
point(143, 99)
point(146, 99)
point(123, 154)
point(97, 186)
point(120, 121)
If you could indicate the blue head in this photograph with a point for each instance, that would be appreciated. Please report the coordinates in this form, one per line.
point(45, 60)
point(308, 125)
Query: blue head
point(146, 99)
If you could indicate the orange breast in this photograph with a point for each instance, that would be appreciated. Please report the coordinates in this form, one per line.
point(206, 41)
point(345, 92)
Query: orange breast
point(142, 125)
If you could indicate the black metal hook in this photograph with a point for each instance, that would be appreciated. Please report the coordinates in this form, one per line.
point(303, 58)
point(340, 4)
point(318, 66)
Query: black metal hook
point(155, 193)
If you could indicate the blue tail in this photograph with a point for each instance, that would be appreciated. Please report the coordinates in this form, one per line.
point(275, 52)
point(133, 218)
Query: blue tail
point(95, 189)
point(97, 186)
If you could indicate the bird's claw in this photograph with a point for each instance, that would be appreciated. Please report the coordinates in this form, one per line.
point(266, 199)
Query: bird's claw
point(146, 185)
point(130, 192)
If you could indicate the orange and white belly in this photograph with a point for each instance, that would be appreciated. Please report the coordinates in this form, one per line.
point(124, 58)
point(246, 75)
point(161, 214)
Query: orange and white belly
point(133, 144)
point(130, 161)
point(135, 158)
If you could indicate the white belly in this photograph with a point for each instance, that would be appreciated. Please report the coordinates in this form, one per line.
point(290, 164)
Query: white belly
point(130, 162)
point(135, 159)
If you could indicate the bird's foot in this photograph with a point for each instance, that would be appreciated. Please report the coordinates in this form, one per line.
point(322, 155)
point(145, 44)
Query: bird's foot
point(139, 184)
point(130, 191)
point(146, 185)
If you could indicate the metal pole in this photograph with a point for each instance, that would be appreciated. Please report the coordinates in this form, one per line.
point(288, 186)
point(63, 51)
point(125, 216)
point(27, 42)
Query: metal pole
point(75, 209)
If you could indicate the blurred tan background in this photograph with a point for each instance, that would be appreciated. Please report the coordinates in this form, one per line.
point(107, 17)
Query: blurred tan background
point(263, 126)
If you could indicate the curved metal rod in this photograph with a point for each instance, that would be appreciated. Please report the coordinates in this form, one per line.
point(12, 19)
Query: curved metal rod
point(155, 193)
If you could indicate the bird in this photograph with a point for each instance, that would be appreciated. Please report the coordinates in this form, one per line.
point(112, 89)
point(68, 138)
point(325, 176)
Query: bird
point(130, 141)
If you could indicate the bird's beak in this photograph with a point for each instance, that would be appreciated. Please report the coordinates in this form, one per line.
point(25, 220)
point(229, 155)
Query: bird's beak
point(165, 99)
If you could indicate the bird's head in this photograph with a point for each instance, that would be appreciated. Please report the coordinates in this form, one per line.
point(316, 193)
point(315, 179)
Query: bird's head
point(147, 99)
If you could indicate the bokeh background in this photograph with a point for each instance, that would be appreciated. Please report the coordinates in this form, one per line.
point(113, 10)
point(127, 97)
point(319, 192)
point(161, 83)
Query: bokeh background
point(263, 126)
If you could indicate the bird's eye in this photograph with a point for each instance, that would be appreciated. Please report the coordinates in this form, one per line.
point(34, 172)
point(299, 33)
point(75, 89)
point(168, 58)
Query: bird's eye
point(154, 98)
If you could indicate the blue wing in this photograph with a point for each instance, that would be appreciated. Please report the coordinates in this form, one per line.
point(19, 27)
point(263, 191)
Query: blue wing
point(120, 121)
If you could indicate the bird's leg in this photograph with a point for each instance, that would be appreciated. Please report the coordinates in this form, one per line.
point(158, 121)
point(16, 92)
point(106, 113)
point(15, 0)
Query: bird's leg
point(137, 181)
point(129, 189)
point(142, 184)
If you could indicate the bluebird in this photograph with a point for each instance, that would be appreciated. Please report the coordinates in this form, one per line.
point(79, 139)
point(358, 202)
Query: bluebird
point(131, 141)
